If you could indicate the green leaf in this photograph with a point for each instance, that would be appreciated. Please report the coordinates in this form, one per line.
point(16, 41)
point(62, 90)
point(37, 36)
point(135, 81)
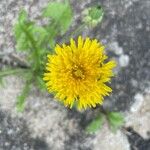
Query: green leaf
point(41, 83)
point(54, 10)
point(21, 98)
point(1, 82)
point(22, 19)
point(39, 34)
point(52, 44)
point(17, 30)
point(53, 32)
point(20, 28)
point(116, 120)
point(95, 125)
point(61, 13)
point(22, 43)
point(22, 16)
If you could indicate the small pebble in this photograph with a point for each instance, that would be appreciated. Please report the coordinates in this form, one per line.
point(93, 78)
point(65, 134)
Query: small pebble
point(124, 60)
point(9, 132)
point(138, 102)
point(116, 48)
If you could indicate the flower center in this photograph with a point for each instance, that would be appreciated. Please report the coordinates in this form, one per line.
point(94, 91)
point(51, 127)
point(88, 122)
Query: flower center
point(78, 72)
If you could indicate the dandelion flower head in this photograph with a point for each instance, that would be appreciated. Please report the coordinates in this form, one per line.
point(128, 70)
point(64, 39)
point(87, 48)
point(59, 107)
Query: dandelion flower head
point(78, 72)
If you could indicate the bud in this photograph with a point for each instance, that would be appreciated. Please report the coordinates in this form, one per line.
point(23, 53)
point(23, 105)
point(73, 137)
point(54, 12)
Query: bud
point(93, 15)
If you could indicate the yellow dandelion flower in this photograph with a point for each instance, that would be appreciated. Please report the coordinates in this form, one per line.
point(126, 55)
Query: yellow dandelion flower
point(78, 72)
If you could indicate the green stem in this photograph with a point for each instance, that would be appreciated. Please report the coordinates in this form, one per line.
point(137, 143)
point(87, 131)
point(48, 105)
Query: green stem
point(78, 30)
point(75, 32)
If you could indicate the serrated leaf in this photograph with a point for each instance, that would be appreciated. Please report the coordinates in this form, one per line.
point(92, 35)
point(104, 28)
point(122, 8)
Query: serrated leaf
point(22, 43)
point(21, 98)
point(39, 34)
point(23, 24)
point(95, 125)
point(22, 16)
point(61, 13)
point(17, 30)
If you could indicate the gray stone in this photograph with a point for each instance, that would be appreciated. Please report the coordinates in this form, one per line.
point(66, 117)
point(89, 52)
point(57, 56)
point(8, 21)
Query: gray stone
point(106, 140)
point(138, 102)
point(139, 119)
point(114, 47)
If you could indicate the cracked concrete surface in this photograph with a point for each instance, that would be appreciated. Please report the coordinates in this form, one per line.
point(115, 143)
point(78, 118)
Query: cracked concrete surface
point(45, 125)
